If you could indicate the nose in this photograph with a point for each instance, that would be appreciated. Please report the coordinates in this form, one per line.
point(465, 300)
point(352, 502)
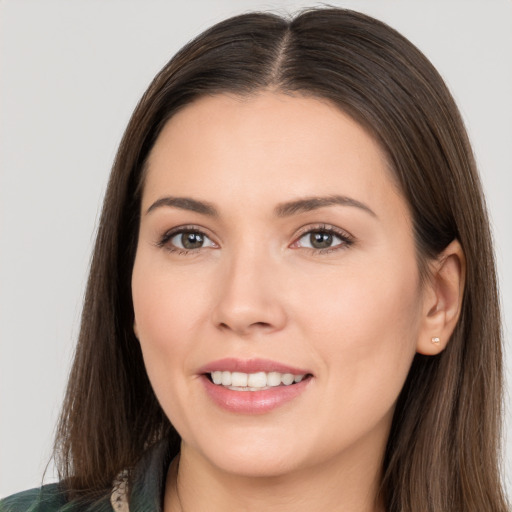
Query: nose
point(249, 297)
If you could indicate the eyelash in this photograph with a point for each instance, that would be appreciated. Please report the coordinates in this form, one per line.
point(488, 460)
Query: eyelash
point(346, 239)
point(169, 235)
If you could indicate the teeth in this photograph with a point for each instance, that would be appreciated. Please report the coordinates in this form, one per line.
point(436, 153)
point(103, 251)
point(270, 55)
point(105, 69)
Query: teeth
point(254, 381)
point(226, 378)
point(257, 380)
point(239, 380)
point(287, 379)
point(273, 379)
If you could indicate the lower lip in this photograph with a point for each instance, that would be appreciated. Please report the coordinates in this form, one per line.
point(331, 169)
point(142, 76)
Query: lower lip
point(253, 402)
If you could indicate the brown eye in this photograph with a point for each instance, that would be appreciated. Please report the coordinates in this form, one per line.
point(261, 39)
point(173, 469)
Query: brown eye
point(323, 238)
point(320, 239)
point(190, 240)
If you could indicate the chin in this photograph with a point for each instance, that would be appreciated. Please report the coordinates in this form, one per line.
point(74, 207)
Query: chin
point(256, 465)
point(251, 458)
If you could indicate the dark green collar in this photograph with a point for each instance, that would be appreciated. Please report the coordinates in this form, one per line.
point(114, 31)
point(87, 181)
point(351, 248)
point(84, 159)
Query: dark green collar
point(147, 493)
point(149, 478)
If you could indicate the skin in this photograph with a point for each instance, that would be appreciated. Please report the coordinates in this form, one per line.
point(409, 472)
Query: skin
point(354, 315)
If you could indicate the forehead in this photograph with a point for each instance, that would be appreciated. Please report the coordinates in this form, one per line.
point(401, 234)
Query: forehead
point(267, 147)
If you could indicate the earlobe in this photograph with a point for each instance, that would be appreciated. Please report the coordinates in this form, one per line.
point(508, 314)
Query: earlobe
point(442, 300)
point(135, 330)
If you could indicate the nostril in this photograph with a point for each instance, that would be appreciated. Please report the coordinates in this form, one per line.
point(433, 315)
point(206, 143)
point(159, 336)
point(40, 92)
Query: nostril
point(247, 329)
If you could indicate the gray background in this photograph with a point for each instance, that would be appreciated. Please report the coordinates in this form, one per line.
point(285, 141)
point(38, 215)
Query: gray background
point(71, 73)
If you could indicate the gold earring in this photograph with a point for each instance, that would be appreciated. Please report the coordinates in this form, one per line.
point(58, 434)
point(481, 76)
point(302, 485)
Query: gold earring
point(435, 340)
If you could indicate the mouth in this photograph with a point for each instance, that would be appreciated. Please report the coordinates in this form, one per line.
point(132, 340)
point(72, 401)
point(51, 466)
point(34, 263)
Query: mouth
point(254, 386)
point(259, 381)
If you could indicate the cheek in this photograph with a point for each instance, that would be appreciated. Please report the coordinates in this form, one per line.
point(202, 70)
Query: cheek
point(167, 309)
point(365, 325)
point(166, 305)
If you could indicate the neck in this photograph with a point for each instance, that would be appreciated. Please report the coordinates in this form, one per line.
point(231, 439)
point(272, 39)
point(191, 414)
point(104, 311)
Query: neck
point(348, 485)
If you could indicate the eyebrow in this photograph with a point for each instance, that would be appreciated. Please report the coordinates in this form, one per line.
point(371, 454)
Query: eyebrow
point(312, 203)
point(287, 209)
point(185, 203)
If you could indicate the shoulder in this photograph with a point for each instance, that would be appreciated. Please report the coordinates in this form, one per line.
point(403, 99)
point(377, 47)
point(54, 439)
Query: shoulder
point(48, 498)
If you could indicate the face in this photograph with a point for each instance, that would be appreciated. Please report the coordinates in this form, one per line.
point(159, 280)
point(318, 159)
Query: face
point(274, 247)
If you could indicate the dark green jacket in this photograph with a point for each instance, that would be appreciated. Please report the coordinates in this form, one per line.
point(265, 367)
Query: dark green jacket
point(146, 494)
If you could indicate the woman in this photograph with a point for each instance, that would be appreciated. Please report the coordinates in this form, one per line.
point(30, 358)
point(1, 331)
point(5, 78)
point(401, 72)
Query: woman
point(292, 300)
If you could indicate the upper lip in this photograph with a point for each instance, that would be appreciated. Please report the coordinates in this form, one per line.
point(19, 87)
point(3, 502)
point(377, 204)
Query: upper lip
point(231, 364)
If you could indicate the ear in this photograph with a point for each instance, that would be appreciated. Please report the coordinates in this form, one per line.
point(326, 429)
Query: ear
point(135, 330)
point(442, 300)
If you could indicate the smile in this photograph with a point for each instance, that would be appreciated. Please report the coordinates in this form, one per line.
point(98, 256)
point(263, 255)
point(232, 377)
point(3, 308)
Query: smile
point(238, 381)
point(254, 386)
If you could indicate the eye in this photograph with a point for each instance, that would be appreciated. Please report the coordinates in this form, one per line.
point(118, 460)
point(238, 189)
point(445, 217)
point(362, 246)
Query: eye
point(190, 240)
point(319, 240)
point(323, 239)
point(186, 240)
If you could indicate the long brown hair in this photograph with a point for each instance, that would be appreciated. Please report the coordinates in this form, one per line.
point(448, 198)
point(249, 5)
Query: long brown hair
point(443, 449)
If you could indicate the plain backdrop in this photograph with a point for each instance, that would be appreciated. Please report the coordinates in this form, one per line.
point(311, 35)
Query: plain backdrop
point(71, 73)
